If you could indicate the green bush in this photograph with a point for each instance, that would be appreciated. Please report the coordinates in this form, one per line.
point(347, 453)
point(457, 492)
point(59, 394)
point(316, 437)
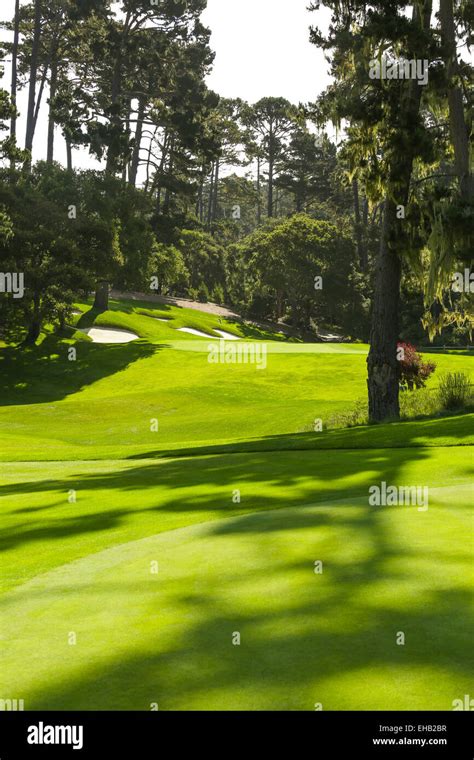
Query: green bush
point(203, 293)
point(455, 390)
point(218, 295)
point(419, 403)
point(357, 415)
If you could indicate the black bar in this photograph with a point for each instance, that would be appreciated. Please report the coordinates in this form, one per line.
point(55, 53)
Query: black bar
point(142, 735)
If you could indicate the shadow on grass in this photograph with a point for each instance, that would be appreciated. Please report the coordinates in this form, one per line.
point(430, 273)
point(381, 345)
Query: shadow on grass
point(199, 487)
point(406, 434)
point(44, 373)
point(291, 650)
point(336, 627)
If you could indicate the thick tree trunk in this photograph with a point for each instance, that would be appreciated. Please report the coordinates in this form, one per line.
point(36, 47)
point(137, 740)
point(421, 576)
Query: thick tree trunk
point(52, 95)
point(30, 118)
point(457, 119)
point(14, 80)
point(383, 367)
point(138, 141)
point(101, 302)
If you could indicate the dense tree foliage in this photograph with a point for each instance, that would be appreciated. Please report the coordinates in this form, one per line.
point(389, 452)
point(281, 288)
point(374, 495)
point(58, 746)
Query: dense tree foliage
point(249, 204)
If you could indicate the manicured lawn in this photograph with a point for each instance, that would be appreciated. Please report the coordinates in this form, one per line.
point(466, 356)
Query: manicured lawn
point(100, 406)
point(87, 508)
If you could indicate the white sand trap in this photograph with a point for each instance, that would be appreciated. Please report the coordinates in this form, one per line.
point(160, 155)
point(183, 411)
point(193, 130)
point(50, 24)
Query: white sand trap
point(106, 335)
point(192, 331)
point(226, 335)
point(222, 333)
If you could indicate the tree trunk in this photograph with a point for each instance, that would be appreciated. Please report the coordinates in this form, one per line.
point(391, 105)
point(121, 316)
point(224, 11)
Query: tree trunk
point(14, 80)
point(30, 118)
point(211, 196)
point(169, 172)
point(199, 201)
point(215, 200)
point(279, 304)
point(383, 367)
point(259, 197)
point(39, 98)
point(271, 163)
point(138, 141)
point(68, 153)
point(101, 301)
point(34, 328)
point(52, 95)
point(358, 224)
point(457, 119)
point(126, 164)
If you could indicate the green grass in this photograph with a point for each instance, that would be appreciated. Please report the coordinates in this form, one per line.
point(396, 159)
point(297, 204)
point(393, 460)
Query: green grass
point(100, 406)
point(83, 428)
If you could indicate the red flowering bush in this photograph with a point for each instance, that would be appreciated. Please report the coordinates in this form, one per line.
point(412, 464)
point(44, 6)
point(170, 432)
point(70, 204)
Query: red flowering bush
point(414, 371)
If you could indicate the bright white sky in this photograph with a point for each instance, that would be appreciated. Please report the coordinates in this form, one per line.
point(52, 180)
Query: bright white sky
point(262, 48)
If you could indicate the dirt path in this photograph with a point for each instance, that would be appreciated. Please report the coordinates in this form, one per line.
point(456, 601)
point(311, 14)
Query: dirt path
point(209, 308)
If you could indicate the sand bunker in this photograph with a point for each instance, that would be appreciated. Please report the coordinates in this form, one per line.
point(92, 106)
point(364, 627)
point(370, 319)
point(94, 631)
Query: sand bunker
point(226, 335)
point(106, 335)
point(223, 335)
point(192, 331)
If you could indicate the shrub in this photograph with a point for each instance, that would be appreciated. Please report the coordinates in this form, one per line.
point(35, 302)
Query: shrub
point(423, 402)
point(218, 295)
point(455, 390)
point(414, 372)
point(357, 415)
point(203, 293)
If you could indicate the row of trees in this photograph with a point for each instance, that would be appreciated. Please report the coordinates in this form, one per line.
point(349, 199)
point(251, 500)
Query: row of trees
point(131, 89)
point(241, 203)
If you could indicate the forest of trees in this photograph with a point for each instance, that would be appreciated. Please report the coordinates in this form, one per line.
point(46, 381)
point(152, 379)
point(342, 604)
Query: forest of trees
point(247, 204)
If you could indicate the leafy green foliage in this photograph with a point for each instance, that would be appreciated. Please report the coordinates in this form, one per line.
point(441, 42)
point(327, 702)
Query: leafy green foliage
point(455, 390)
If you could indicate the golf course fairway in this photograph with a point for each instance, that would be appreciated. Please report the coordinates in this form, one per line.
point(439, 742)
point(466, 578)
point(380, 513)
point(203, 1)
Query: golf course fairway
point(226, 557)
